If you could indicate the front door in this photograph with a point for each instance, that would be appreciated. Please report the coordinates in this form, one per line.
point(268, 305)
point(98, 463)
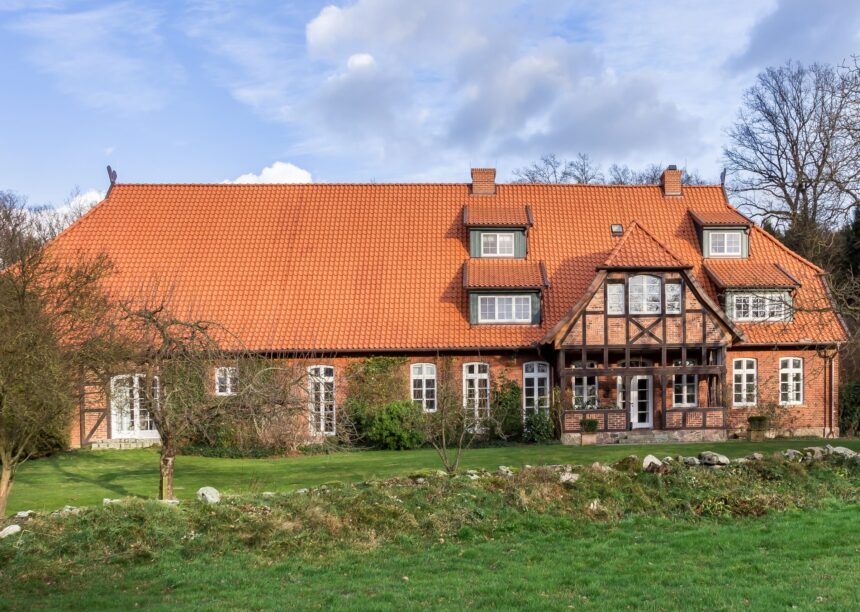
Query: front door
point(640, 402)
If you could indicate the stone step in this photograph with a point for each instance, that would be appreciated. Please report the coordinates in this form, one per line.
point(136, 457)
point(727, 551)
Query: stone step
point(123, 444)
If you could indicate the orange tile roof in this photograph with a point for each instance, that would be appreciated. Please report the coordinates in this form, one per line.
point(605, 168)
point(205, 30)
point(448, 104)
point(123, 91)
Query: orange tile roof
point(743, 273)
point(334, 267)
point(638, 248)
point(503, 274)
point(720, 218)
point(482, 214)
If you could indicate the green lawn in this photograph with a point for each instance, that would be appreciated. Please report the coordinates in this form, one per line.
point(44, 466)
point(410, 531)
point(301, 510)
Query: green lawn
point(86, 477)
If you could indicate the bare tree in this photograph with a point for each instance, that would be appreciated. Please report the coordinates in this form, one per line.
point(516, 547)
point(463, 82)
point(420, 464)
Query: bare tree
point(649, 175)
point(550, 169)
point(55, 321)
point(791, 157)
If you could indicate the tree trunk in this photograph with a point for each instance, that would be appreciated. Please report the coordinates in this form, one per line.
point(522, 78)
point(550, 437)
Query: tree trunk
point(165, 485)
point(5, 487)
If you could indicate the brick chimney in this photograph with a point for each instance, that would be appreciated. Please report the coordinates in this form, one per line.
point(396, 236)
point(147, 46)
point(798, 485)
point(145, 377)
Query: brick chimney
point(483, 181)
point(670, 180)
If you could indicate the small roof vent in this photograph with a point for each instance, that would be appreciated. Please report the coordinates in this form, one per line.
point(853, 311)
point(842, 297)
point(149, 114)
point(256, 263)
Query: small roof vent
point(616, 229)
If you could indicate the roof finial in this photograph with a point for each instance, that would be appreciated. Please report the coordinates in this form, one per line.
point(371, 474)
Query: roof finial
point(111, 175)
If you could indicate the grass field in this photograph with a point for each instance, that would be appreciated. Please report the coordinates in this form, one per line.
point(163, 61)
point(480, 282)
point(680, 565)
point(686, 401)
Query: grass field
point(86, 477)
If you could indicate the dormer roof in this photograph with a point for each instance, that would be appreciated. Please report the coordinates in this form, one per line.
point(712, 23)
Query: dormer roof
point(480, 214)
point(719, 218)
point(639, 249)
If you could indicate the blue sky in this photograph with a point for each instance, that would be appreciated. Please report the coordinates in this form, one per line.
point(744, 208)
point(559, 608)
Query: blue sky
point(380, 90)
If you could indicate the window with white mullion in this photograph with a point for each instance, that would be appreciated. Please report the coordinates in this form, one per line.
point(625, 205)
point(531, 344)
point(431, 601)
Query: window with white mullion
point(535, 388)
point(504, 309)
point(791, 381)
point(584, 387)
point(424, 386)
point(726, 244)
point(615, 298)
point(323, 411)
point(760, 306)
point(498, 244)
point(745, 386)
point(226, 380)
point(645, 295)
point(476, 390)
point(684, 387)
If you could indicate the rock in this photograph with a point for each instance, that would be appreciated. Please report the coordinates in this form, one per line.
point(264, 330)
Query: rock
point(441, 473)
point(169, 502)
point(792, 455)
point(568, 478)
point(10, 530)
point(710, 458)
point(210, 495)
point(668, 459)
point(599, 467)
point(301, 491)
point(816, 452)
point(630, 463)
point(109, 502)
point(691, 461)
point(67, 510)
point(840, 451)
point(652, 464)
point(505, 471)
point(471, 473)
point(742, 460)
point(420, 481)
point(472, 476)
point(595, 505)
point(268, 493)
point(527, 466)
point(755, 457)
point(24, 514)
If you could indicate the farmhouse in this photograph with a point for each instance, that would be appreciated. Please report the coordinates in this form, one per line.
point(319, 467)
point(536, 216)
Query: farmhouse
point(657, 310)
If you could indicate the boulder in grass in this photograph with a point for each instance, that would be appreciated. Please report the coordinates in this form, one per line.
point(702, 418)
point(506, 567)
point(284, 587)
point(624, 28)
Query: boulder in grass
point(713, 459)
point(10, 530)
point(505, 471)
point(568, 478)
point(840, 451)
point(653, 465)
point(792, 455)
point(817, 452)
point(209, 495)
point(110, 502)
point(630, 463)
point(755, 457)
point(24, 514)
point(599, 467)
point(691, 461)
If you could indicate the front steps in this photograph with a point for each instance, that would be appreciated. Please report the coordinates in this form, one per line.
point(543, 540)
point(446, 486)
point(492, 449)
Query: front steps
point(123, 444)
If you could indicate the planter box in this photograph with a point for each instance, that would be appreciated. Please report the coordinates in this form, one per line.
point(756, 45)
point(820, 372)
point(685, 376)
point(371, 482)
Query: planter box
point(588, 439)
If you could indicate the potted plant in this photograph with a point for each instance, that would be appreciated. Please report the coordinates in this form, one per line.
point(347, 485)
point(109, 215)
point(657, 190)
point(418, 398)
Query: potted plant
point(757, 427)
point(588, 433)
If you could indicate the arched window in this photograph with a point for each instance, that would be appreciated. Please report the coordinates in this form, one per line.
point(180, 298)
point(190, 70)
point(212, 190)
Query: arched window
point(535, 387)
point(644, 294)
point(424, 386)
point(585, 387)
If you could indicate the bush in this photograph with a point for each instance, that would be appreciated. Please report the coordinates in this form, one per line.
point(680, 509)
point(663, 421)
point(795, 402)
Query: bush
point(757, 422)
point(849, 400)
point(506, 410)
point(589, 425)
point(538, 427)
point(396, 426)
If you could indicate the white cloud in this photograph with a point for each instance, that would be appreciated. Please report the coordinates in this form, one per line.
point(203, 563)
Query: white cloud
point(359, 61)
point(112, 57)
point(86, 199)
point(278, 172)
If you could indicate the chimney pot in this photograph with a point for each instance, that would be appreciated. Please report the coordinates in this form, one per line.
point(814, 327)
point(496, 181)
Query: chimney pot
point(670, 181)
point(483, 181)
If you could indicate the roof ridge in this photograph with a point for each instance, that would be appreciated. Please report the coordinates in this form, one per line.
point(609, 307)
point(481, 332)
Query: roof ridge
point(407, 184)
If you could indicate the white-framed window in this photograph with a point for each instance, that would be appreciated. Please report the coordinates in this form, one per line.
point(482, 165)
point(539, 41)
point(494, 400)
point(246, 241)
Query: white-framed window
point(614, 298)
point(791, 381)
point(644, 294)
point(761, 306)
point(130, 406)
point(504, 309)
point(584, 387)
point(226, 380)
point(726, 244)
point(684, 387)
point(535, 387)
point(323, 412)
point(423, 377)
point(476, 390)
point(497, 244)
point(673, 298)
point(745, 384)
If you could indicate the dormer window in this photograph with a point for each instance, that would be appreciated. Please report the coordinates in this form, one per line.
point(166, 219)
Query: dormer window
point(504, 309)
point(497, 244)
point(726, 243)
point(768, 306)
point(644, 294)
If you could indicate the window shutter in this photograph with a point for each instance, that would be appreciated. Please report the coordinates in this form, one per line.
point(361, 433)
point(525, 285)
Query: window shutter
point(474, 243)
point(473, 308)
point(536, 308)
point(520, 244)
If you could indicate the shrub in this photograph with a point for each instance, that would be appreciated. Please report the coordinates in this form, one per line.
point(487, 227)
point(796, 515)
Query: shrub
point(372, 384)
point(849, 399)
point(538, 427)
point(589, 425)
point(757, 422)
point(506, 410)
point(396, 426)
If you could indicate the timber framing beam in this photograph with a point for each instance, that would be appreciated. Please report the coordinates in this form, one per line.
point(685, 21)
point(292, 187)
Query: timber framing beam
point(643, 371)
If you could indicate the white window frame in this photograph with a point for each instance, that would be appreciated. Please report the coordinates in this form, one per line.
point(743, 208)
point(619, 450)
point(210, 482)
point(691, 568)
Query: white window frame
point(760, 306)
point(535, 373)
point(748, 376)
point(671, 307)
point(496, 299)
point(649, 290)
point(615, 298)
point(424, 374)
point(135, 406)
point(794, 375)
point(683, 382)
point(322, 395)
point(585, 388)
point(498, 250)
point(230, 376)
point(476, 386)
point(725, 248)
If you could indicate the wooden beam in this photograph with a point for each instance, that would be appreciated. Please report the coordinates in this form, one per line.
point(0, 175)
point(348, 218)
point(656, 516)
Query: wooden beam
point(645, 370)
